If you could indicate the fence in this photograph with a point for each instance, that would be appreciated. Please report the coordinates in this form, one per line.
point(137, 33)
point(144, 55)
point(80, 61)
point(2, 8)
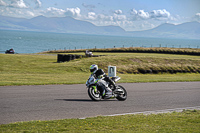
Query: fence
point(123, 46)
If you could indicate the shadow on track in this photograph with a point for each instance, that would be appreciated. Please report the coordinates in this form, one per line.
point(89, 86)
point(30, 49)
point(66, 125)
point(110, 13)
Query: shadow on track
point(83, 100)
point(75, 100)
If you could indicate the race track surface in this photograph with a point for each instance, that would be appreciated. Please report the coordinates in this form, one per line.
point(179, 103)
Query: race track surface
point(50, 102)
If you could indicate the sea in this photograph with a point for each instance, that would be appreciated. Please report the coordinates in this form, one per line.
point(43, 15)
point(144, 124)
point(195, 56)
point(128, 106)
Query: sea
point(35, 42)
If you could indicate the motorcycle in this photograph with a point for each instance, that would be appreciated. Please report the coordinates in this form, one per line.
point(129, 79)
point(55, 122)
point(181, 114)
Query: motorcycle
point(95, 91)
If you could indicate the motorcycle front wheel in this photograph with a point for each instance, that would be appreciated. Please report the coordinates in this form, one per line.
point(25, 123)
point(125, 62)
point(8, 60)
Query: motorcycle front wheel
point(95, 96)
point(122, 96)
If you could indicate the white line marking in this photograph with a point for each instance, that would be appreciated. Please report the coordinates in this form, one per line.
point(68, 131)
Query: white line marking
point(159, 111)
point(156, 111)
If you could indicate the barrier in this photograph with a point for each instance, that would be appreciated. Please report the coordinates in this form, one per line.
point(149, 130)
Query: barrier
point(69, 57)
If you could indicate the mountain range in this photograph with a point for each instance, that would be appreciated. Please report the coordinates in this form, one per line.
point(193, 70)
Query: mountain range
point(189, 30)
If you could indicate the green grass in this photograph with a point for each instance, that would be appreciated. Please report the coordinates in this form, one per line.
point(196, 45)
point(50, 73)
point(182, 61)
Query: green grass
point(22, 69)
point(184, 122)
point(43, 69)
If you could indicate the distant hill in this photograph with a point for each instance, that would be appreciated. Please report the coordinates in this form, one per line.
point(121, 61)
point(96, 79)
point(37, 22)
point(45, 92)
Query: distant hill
point(189, 30)
point(57, 24)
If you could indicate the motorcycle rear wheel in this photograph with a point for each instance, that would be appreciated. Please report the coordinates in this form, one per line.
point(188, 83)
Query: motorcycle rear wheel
point(123, 96)
point(95, 96)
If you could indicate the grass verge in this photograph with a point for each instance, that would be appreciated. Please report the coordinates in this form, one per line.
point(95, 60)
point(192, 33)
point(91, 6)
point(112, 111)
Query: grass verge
point(44, 69)
point(184, 122)
point(161, 50)
point(80, 78)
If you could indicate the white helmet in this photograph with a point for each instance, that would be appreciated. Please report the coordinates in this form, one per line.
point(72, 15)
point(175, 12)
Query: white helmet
point(93, 68)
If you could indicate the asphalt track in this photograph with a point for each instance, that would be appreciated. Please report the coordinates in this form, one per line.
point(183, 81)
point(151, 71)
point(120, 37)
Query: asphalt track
point(50, 102)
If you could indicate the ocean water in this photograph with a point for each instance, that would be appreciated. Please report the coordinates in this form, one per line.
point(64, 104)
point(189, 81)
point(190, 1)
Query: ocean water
point(34, 42)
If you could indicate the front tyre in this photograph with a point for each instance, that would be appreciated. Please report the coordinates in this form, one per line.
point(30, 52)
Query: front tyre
point(95, 96)
point(122, 96)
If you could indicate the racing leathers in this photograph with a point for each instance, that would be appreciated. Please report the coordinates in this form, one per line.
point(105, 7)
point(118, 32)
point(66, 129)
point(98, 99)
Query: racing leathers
point(101, 80)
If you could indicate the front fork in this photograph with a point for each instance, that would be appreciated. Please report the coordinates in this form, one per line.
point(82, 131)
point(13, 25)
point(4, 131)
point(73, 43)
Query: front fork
point(95, 89)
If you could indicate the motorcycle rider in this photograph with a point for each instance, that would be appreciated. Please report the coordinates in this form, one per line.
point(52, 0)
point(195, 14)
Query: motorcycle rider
point(100, 81)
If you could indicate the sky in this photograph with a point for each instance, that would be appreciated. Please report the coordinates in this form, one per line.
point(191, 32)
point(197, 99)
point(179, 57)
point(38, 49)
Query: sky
point(131, 15)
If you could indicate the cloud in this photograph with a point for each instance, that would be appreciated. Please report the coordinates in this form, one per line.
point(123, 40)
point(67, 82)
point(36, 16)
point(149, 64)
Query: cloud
point(197, 17)
point(18, 4)
point(140, 14)
point(118, 11)
point(119, 17)
point(73, 12)
point(91, 16)
point(56, 12)
point(155, 14)
point(52, 12)
point(20, 8)
point(133, 12)
point(18, 12)
point(2, 3)
point(38, 3)
point(130, 21)
point(29, 13)
point(96, 17)
point(116, 18)
point(135, 20)
point(159, 14)
point(102, 17)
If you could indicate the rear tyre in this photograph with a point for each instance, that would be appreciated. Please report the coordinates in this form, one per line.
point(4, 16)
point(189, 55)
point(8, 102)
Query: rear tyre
point(95, 96)
point(122, 96)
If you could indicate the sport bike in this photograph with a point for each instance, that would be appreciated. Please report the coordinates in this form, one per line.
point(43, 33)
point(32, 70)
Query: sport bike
point(95, 91)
